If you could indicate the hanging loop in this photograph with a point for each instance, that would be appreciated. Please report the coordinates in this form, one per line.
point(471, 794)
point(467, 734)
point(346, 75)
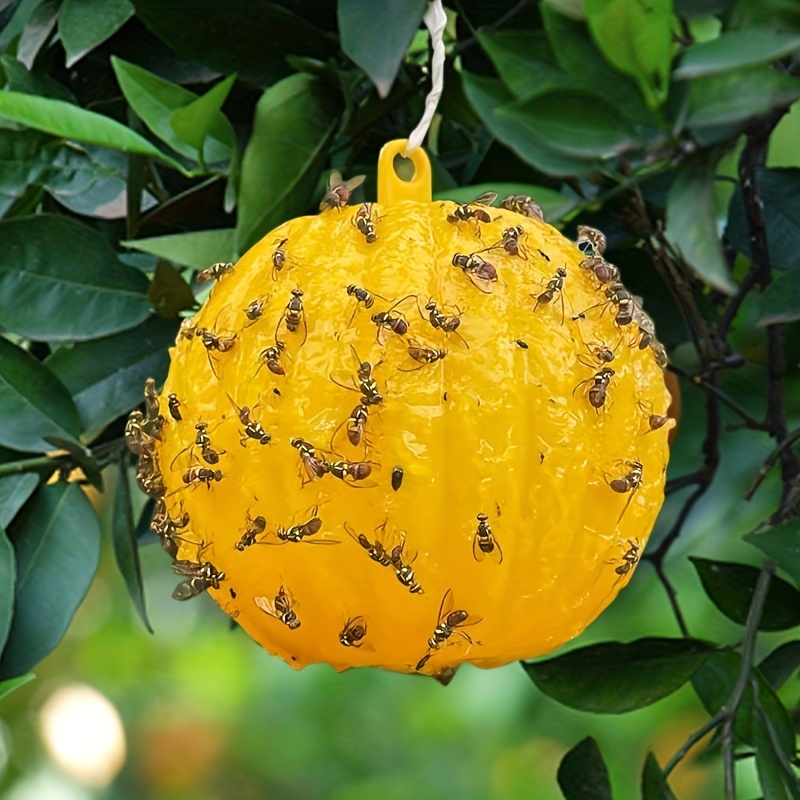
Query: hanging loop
point(391, 187)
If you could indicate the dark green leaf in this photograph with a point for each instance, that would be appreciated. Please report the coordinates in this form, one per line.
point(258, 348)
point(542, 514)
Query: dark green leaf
point(554, 204)
point(294, 125)
point(636, 38)
point(779, 192)
point(377, 35)
point(780, 303)
point(84, 25)
point(125, 545)
point(251, 37)
point(692, 223)
point(734, 49)
point(613, 678)
point(582, 773)
point(775, 774)
point(25, 158)
point(523, 60)
point(733, 98)
point(779, 665)
point(105, 376)
point(487, 97)
point(14, 491)
point(714, 683)
point(33, 402)
point(144, 533)
point(654, 784)
point(52, 266)
point(70, 122)
point(579, 57)
point(20, 79)
point(37, 31)
point(572, 122)
point(57, 543)
point(731, 586)
point(8, 577)
point(6, 687)
point(195, 121)
point(197, 250)
point(782, 544)
point(155, 100)
point(169, 293)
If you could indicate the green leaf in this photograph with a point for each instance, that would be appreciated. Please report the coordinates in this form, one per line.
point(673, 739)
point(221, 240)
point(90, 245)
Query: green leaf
point(37, 31)
point(70, 122)
point(780, 303)
point(735, 49)
point(20, 79)
point(105, 376)
point(778, 779)
point(197, 250)
point(582, 773)
point(714, 683)
point(155, 100)
point(33, 403)
point(376, 36)
point(294, 124)
point(782, 544)
point(654, 784)
point(613, 678)
point(125, 546)
point(523, 60)
point(14, 491)
point(731, 587)
point(169, 293)
point(692, 223)
point(488, 96)
point(194, 122)
point(572, 122)
point(57, 543)
point(579, 57)
point(60, 280)
point(779, 193)
point(734, 98)
point(780, 664)
point(251, 37)
point(84, 24)
point(636, 38)
point(554, 204)
point(8, 577)
point(6, 687)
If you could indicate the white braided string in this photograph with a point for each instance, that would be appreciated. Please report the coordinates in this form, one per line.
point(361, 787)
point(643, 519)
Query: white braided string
point(435, 20)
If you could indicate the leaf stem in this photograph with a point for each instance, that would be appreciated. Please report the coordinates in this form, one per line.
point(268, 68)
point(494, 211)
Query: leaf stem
point(27, 464)
point(745, 673)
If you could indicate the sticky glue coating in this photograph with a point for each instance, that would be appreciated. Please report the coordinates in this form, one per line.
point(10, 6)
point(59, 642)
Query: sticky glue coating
point(505, 538)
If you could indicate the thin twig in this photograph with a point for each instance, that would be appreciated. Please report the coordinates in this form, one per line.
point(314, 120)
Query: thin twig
point(707, 385)
point(672, 596)
point(693, 739)
point(748, 657)
point(726, 716)
point(770, 462)
point(28, 464)
point(499, 22)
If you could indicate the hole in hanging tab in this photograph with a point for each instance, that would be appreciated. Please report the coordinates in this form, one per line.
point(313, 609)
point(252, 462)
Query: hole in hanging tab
point(404, 168)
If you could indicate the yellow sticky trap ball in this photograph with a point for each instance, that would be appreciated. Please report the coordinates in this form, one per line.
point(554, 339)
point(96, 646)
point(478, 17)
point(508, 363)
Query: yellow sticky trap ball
point(410, 435)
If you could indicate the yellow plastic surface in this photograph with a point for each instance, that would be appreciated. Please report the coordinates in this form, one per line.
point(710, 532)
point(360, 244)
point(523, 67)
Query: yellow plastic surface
point(491, 429)
point(391, 188)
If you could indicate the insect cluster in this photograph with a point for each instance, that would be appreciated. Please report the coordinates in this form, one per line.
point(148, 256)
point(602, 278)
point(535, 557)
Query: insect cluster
point(409, 436)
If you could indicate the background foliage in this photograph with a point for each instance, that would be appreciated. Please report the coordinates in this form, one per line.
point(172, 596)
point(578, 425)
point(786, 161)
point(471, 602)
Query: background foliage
point(141, 141)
